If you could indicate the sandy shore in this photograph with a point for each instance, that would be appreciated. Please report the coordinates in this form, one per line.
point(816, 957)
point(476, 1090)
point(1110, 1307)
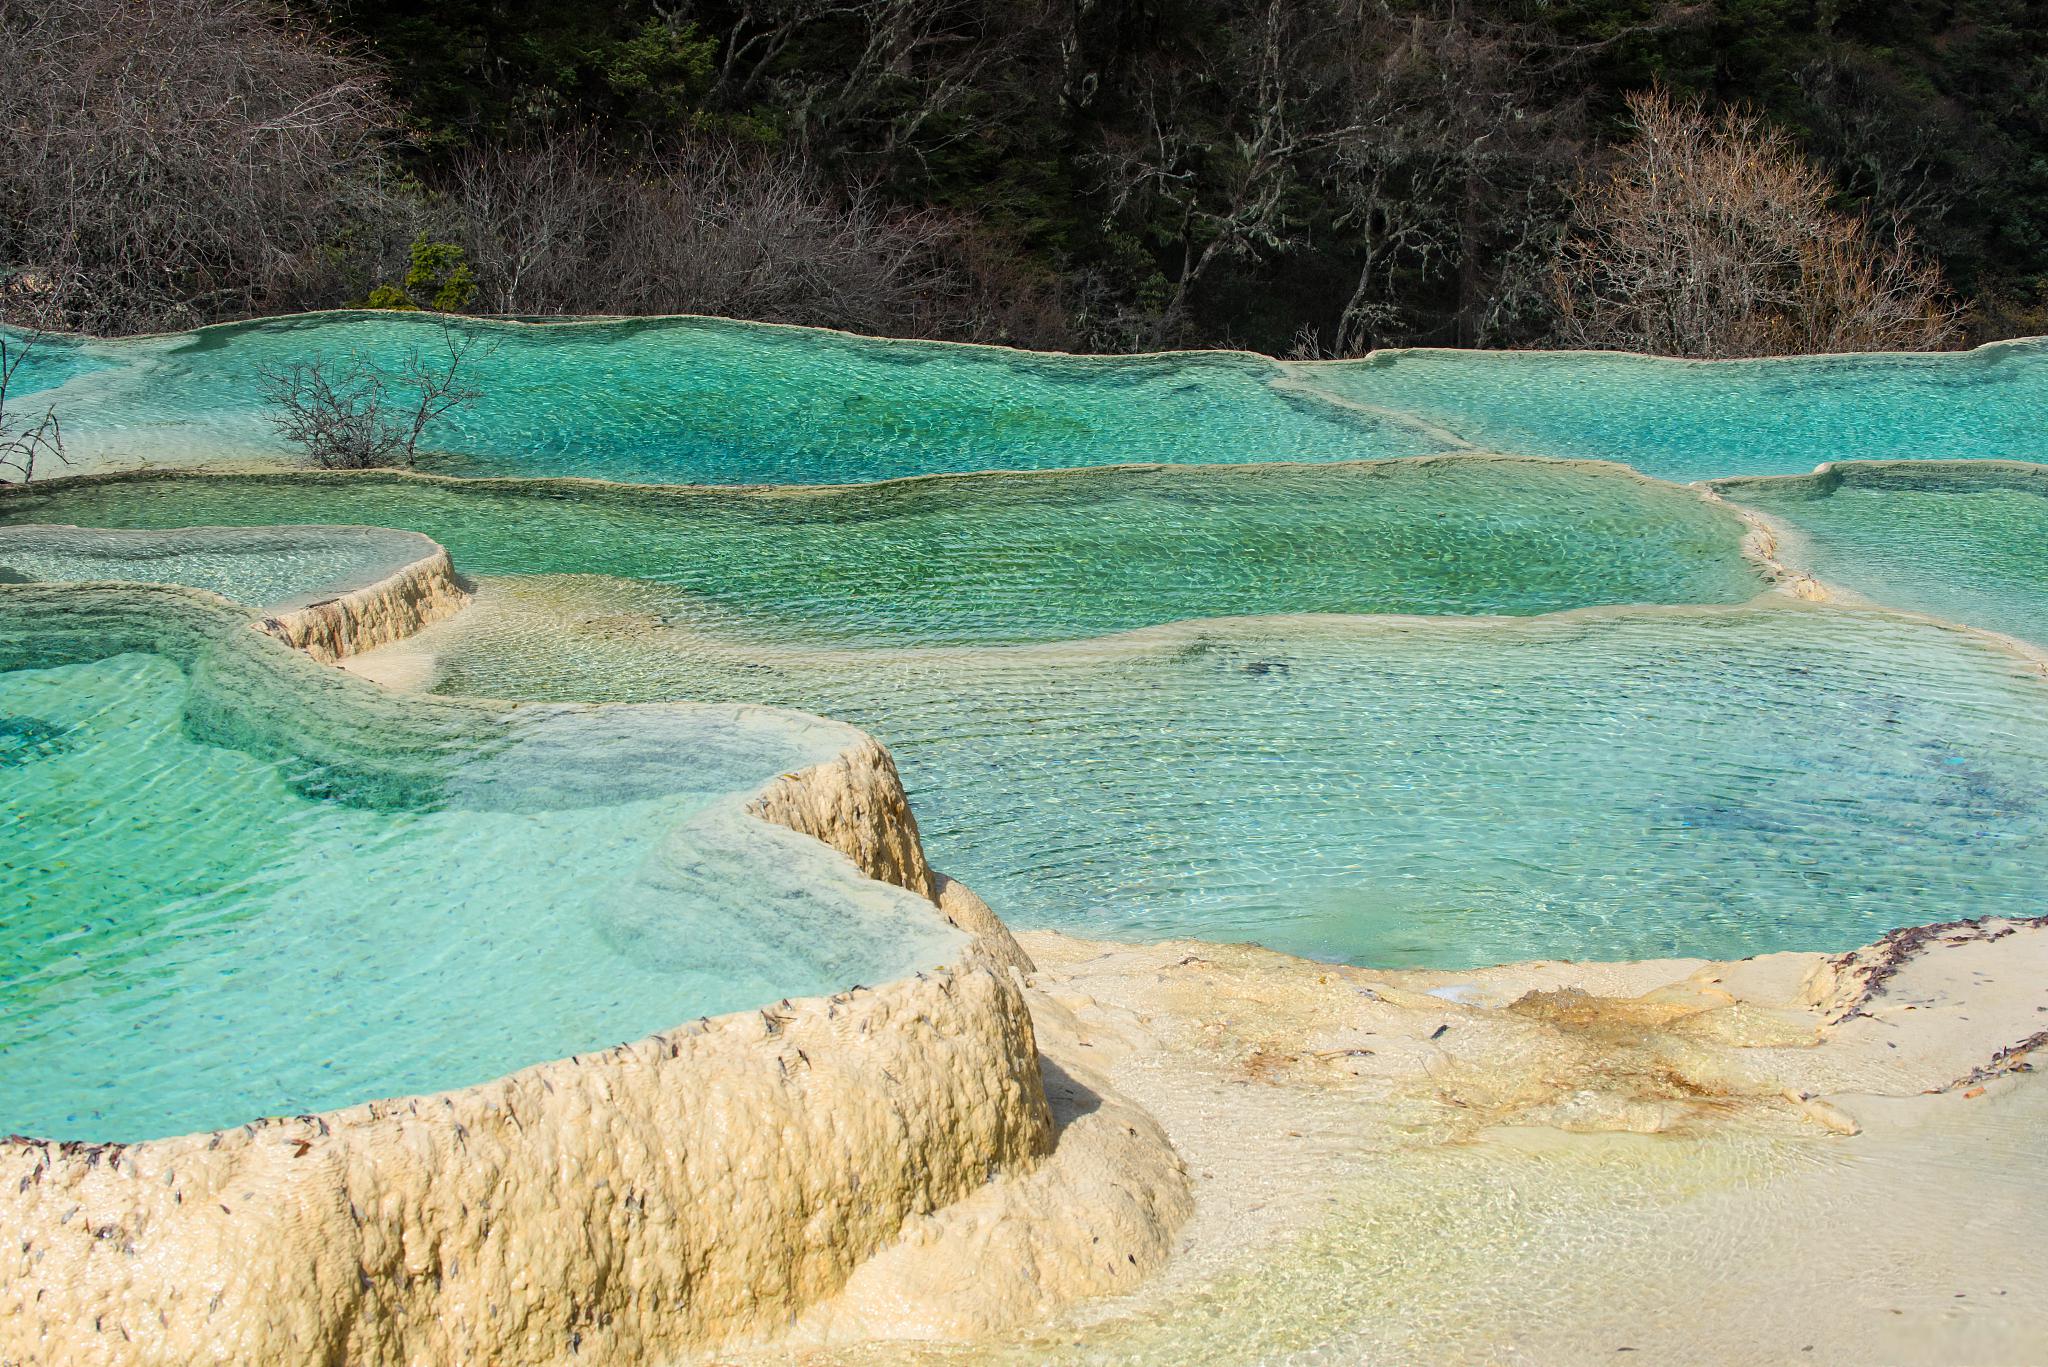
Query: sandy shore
point(1793, 1158)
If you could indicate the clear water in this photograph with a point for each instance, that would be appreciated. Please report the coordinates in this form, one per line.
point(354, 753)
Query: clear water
point(1702, 783)
point(704, 401)
point(1686, 420)
point(709, 401)
point(270, 568)
point(1024, 558)
point(1720, 780)
point(1968, 543)
point(243, 884)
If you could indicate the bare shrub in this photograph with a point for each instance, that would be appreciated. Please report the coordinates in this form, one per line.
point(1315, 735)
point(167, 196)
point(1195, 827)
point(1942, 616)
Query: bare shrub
point(354, 414)
point(555, 228)
point(1715, 237)
point(179, 161)
point(24, 441)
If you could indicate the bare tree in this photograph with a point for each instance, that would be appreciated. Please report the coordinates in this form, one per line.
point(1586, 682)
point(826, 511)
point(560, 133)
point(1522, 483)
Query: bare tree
point(1461, 126)
point(1215, 195)
point(1713, 236)
point(553, 227)
point(354, 414)
point(39, 436)
point(906, 79)
point(1436, 132)
point(179, 161)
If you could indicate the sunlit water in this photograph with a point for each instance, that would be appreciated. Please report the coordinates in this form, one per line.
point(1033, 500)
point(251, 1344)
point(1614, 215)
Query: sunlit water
point(1009, 558)
point(1967, 542)
point(1432, 794)
point(706, 401)
point(272, 568)
point(228, 911)
point(709, 401)
point(1645, 785)
point(1689, 420)
point(239, 883)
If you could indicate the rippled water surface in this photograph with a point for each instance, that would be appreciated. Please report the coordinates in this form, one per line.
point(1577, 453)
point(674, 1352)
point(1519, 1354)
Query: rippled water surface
point(241, 884)
point(689, 401)
point(266, 567)
point(1134, 702)
point(1007, 558)
point(1653, 784)
point(1965, 542)
point(708, 401)
point(1689, 420)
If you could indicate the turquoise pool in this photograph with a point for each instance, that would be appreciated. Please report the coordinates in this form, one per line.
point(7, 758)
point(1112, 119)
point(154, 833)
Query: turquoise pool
point(707, 401)
point(244, 884)
point(1626, 785)
point(275, 569)
point(1688, 420)
point(1026, 558)
point(1961, 540)
point(1286, 673)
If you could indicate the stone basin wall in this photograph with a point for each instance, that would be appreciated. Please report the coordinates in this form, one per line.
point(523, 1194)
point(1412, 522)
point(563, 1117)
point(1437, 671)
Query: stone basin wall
point(699, 1187)
point(694, 1187)
point(393, 608)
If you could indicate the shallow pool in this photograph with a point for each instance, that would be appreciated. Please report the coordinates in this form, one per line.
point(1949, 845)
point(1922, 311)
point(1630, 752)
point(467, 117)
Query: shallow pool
point(243, 884)
point(1025, 558)
point(1713, 782)
point(693, 400)
point(275, 569)
point(1966, 541)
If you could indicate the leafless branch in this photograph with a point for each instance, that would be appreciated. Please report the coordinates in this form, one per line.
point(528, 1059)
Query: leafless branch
point(1713, 236)
point(354, 414)
point(40, 436)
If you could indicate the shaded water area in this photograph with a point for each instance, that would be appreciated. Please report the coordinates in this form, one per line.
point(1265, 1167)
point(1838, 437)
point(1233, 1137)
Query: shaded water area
point(692, 400)
point(244, 884)
point(1967, 541)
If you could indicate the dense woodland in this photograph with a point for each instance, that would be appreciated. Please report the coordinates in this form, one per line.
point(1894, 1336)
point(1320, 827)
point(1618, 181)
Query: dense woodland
point(1310, 177)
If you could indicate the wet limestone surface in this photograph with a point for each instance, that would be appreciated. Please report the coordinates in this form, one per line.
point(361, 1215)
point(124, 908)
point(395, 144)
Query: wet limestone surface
point(1962, 540)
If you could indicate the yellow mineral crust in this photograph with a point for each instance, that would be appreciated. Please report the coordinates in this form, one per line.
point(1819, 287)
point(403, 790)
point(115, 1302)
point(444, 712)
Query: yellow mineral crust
point(884, 1156)
point(1792, 1158)
point(393, 608)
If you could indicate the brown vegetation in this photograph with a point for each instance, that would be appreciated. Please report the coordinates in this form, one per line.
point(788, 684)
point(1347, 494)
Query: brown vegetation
point(1348, 173)
point(1713, 237)
point(179, 161)
point(712, 229)
point(352, 414)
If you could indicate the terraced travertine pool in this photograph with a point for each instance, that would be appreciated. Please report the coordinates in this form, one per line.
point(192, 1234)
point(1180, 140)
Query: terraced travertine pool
point(1960, 540)
point(1299, 678)
point(706, 401)
point(242, 884)
point(274, 569)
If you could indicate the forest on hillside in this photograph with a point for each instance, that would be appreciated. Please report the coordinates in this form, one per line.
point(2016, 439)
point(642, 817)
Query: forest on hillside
point(1308, 177)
